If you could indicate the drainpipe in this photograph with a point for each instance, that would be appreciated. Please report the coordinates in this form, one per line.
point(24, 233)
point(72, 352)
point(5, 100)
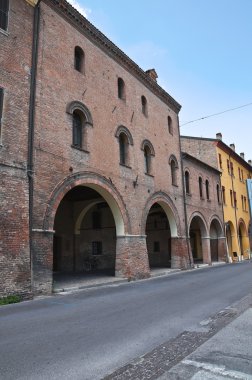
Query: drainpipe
point(236, 222)
point(30, 169)
point(184, 203)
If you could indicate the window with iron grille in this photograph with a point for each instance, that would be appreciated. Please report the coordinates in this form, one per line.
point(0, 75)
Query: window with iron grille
point(96, 248)
point(4, 12)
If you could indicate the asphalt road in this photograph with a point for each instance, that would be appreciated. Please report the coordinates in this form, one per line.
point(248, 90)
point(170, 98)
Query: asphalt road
point(89, 334)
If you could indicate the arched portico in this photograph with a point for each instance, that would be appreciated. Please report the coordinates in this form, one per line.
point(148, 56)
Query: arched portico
point(199, 239)
point(217, 240)
point(231, 241)
point(160, 222)
point(69, 212)
point(243, 239)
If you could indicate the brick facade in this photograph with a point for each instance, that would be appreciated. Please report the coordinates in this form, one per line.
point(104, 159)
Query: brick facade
point(204, 211)
point(106, 176)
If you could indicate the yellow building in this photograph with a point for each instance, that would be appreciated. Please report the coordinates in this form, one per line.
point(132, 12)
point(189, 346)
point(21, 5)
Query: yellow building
point(235, 170)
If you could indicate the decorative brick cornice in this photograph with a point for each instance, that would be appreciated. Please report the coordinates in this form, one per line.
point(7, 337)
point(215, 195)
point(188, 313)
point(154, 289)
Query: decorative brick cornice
point(92, 33)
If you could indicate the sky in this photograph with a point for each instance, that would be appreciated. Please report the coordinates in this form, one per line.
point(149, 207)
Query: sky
point(201, 51)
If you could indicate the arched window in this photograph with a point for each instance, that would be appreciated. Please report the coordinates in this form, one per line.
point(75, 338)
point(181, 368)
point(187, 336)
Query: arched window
point(200, 187)
point(144, 106)
point(207, 189)
point(149, 153)
point(147, 159)
point(123, 147)
point(187, 182)
point(77, 129)
point(174, 172)
point(79, 59)
point(4, 13)
point(121, 89)
point(218, 192)
point(174, 168)
point(125, 140)
point(170, 126)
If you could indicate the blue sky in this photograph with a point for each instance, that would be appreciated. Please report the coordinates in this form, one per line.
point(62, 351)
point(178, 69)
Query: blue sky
point(201, 51)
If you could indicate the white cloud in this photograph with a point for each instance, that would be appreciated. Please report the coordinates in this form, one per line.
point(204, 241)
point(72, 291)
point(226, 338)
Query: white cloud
point(84, 11)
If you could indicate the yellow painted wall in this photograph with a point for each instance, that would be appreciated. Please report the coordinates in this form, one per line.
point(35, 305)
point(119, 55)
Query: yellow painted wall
point(235, 214)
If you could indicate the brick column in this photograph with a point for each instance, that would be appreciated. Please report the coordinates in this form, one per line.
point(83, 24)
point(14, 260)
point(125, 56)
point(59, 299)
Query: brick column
point(222, 249)
point(132, 257)
point(180, 257)
point(206, 250)
point(42, 261)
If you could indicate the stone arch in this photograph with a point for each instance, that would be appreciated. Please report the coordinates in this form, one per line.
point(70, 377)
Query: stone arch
point(204, 230)
point(169, 208)
point(122, 129)
point(217, 239)
point(149, 145)
point(96, 182)
point(173, 158)
point(243, 238)
point(199, 238)
point(76, 105)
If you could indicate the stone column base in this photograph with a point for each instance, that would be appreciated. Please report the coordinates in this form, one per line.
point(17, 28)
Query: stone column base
point(132, 257)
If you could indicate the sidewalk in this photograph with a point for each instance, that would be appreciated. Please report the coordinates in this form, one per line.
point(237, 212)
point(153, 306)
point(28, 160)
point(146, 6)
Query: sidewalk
point(225, 356)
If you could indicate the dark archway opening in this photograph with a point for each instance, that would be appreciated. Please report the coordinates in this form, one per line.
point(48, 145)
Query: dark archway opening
point(197, 231)
point(85, 235)
point(215, 234)
point(158, 238)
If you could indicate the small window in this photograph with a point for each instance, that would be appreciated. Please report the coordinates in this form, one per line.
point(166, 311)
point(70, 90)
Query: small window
point(170, 126)
point(220, 161)
point(96, 220)
point(4, 13)
point(200, 188)
point(147, 159)
point(79, 59)
point(156, 246)
point(187, 182)
point(223, 195)
point(218, 193)
point(228, 166)
point(207, 190)
point(121, 89)
point(245, 204)
point(77, 130)
point(96, 248)
point(235, 199)
point(242, 200)
point(174, 168)
point(144, 106)
point(1, 109)
point(123, 147)
point(231, 169)
point(231, 198)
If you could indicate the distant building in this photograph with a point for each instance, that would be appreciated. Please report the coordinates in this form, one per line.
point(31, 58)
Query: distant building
point(203, 210)
point(234, 172)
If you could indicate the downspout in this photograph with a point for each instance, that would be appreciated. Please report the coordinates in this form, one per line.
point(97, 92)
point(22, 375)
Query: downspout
point(184, 203)
point(236, 222)
point(30, 164)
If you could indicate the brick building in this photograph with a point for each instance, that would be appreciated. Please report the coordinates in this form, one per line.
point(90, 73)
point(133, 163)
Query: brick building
point(90, 154)
point(234, 172)
point(204, 209)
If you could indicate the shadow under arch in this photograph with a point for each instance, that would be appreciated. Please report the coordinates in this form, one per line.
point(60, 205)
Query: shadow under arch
point(98, 183)
point(170, 210)
point(199, 238)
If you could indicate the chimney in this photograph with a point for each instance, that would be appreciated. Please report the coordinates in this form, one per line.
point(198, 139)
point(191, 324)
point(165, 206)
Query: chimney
point(232, 146)
point(152, 73)
point(250, 162)
point(219, 136)
point(242, 155)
